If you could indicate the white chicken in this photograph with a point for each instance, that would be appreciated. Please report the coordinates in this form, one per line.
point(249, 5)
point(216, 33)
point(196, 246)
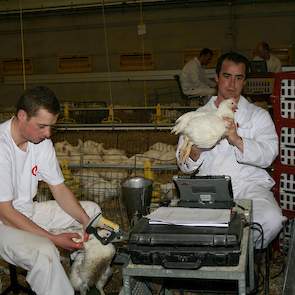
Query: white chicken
point(203, 127)
point(91, 266)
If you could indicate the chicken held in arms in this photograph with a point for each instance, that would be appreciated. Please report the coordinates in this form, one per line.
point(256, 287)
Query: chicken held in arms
point(203, 127)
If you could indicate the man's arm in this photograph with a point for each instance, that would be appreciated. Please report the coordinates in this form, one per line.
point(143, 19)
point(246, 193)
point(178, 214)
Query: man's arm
point(11, 217)
point(260, 147)
point(68, 202)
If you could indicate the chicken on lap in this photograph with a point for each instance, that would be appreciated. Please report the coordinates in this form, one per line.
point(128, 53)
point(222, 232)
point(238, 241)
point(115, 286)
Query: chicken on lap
point(203, 127)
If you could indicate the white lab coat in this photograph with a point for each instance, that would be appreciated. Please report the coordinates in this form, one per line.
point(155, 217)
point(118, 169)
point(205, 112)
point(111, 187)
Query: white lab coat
point(249, 179)
point(194, 80)
point(273, 64)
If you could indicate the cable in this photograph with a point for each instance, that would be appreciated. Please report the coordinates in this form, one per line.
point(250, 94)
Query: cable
point(260, 230)
point(107, 52)
point(279, 273)
point(22, 42)
point(143, 53)
point(239, 206)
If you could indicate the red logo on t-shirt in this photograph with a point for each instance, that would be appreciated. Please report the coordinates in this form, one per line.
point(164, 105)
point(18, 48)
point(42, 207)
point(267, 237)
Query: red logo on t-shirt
point(34, 170)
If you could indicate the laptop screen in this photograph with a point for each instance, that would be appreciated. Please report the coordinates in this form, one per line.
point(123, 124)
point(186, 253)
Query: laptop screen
point(258, 66)
point(204, 191)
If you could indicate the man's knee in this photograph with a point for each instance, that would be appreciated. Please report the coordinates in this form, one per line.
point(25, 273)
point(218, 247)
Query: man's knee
point(48, 249)
point(26, 253)
point(269, 216)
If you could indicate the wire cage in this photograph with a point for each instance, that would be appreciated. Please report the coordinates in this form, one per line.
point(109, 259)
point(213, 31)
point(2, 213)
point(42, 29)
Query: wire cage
point(89, 185)
point(93, 179)
point(258, 85)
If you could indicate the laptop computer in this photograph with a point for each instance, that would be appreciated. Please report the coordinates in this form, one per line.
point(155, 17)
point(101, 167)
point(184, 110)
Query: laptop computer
point(204, 191)
point(177, 246)
point(258, 67)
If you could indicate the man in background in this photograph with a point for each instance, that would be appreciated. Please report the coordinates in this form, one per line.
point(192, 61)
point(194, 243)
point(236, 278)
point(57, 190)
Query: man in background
point(194, 81)
point(272, 62)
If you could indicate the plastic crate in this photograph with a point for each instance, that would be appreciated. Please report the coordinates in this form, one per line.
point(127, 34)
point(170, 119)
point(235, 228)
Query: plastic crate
point(287, 146)
point(287, 98)
point(284, 118)
point(287, 191)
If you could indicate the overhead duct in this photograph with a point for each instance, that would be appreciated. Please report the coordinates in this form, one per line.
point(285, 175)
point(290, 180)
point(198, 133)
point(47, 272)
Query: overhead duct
point(11, 7)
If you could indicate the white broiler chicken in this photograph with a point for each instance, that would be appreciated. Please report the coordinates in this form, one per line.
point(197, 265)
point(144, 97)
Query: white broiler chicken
point(203, 127)
point(91, 266)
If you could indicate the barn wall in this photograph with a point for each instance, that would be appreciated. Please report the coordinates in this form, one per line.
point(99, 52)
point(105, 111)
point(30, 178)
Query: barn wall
point(170, 31)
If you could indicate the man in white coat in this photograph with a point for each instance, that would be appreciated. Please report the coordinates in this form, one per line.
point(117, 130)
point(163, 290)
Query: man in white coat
point(27, 156)
point(272, 62)
point(193, 78)
point(250, 146)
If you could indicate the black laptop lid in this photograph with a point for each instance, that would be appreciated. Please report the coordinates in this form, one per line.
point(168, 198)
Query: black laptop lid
point(204, 191)
point(258, 66)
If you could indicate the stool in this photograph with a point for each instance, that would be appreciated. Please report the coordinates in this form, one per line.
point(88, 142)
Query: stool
point(14, 286)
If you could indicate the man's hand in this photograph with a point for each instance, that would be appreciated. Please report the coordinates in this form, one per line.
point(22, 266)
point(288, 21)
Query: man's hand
point(195, 153)
point(67, 241)
point(232, 135)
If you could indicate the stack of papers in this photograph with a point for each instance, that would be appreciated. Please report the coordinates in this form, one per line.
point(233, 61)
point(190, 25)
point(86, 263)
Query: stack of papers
point(190, 216)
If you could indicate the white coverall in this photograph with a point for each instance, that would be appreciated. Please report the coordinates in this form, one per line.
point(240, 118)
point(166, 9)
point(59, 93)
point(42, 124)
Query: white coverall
point(194, 80)
point(249, 179)
point(20, 172)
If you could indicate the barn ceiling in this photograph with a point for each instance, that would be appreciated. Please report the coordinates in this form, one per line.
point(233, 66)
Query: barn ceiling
point(13, 6)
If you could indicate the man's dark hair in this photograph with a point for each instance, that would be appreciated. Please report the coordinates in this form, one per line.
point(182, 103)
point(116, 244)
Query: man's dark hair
point(206, 51)
point(235, 57)
point(34, 99)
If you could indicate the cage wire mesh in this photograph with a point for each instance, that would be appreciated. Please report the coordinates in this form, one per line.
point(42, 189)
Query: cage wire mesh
point(96, 173)
point(259, 86)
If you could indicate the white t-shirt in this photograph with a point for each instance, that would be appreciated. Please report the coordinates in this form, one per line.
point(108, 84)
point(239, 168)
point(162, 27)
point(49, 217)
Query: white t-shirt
point(21, 170)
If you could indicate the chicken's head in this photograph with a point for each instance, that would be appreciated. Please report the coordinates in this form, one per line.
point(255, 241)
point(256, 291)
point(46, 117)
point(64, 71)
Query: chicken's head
point(227, 108)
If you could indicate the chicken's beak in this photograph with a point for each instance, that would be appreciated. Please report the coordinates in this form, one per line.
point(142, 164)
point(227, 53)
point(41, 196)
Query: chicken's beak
point(235, 107)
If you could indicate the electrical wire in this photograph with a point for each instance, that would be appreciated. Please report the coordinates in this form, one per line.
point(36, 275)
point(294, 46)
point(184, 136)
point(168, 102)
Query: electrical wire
point(143, 52)
point(260, 230)
point(107, 52)
point(22, 44)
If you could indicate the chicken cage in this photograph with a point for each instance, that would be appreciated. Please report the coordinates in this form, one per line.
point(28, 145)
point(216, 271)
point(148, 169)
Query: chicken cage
point(259, 85)
point(95, 170)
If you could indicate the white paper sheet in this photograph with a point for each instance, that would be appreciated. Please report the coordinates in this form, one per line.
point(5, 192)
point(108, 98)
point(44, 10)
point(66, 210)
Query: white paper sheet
point(190, 216)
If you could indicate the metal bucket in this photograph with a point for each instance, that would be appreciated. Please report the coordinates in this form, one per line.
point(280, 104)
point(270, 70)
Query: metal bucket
point(136, 197)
